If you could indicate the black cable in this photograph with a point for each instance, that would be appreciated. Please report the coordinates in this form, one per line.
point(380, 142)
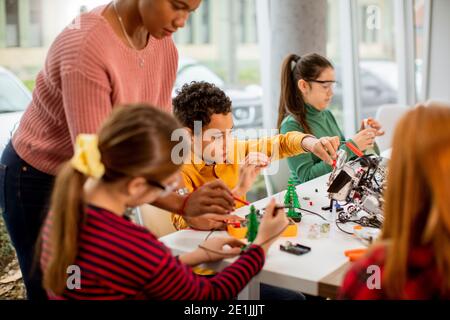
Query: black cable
point(337, 225)
point(311, 212)
point(314, 213)
point(210, 233)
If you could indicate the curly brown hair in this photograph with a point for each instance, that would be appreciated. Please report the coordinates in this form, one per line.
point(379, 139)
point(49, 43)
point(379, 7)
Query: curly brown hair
point(198, 101)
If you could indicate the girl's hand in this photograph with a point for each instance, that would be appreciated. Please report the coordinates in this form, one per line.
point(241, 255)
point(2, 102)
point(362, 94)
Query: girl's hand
point(324, 148)
point(365, 138)
point(216, 249)
point(272, 225)
point(372, 123)
point(249, 171)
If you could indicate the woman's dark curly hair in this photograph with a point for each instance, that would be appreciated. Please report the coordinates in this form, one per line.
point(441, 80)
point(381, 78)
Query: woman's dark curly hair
point(198, 101)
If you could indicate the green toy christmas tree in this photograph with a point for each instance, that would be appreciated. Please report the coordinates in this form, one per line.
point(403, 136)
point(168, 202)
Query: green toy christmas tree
point(291, 201)
point(252, 225)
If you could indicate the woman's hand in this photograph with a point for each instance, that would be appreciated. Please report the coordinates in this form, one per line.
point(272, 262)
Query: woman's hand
point(213, 197)
point(249, 171)
point(365, 138)
point(272, 226)
point(324, 148)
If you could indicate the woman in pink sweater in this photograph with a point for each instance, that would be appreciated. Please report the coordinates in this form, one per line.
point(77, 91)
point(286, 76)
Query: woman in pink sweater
point(120, 53)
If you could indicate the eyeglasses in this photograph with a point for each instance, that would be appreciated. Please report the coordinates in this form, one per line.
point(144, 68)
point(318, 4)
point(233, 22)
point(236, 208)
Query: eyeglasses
point(167, 189)
point(326, 84)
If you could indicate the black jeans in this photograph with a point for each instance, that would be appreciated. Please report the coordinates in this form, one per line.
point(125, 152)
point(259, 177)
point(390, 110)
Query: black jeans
point(24, 201)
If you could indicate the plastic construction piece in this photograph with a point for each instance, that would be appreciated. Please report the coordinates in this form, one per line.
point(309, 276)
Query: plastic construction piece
point(314, 231)
point(291, 231)
point(355, 254)
point(252, 226)
point(330, 207)
point(319, 230)
point(241, 230)
point(354, 149)
point(338, 207)
point(238, 232)
point(294, 248)
point(291, 201)
point(325, 230)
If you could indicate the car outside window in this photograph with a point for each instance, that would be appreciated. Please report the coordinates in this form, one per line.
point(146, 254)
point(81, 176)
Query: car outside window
point(12, 96)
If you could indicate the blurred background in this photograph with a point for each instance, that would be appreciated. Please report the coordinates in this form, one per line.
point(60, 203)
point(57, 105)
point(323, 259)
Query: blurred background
point(220, 44)
point(239, 46)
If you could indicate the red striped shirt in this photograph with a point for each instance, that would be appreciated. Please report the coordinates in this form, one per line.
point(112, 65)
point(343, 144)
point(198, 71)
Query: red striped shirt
point(88, 71)
point(120, 260)
point(423, 281)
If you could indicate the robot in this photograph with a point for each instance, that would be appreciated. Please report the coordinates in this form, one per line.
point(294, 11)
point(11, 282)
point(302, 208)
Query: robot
point(360, 184)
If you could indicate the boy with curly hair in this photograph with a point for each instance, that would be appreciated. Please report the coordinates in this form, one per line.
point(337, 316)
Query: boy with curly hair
point(205, 111)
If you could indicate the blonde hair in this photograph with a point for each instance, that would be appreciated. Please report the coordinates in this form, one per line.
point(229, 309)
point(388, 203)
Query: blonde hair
point(417, 209)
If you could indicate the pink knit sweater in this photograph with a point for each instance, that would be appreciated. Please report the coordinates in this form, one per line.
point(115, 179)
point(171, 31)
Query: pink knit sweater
point(88, 71)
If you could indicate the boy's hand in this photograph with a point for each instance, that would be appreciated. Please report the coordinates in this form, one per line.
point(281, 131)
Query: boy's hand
point(211, 221)
point(324, 148)
point(249, 171)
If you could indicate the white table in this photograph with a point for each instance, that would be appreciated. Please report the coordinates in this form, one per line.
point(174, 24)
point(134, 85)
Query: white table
point(387, 153)
point(302, 273)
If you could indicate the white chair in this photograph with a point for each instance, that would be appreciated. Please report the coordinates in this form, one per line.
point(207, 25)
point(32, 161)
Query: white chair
point(439, 103)
point(276, 177)
point(158, 221)
point(388, 115)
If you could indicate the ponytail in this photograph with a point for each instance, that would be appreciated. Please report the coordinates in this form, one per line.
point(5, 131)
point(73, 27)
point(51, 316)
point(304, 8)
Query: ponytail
point(109, 157)
point(66, 214)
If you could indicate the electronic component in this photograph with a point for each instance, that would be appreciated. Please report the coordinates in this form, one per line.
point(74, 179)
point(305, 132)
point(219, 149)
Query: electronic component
point(360, 183)
point(296, 248)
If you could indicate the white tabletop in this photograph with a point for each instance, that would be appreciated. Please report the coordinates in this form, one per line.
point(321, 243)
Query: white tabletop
point(386, 153)
point(283, 269)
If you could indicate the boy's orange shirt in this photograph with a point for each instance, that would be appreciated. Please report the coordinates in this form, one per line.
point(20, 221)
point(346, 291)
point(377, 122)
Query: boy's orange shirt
point(196, 173)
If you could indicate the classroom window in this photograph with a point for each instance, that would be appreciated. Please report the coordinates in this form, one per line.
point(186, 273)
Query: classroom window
point(377, 54)
point(242, 20)
point(35, 26)
point(333, 53)
point(206, 22)
point(370, 23)
point(419, 15)
point(12, 23)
